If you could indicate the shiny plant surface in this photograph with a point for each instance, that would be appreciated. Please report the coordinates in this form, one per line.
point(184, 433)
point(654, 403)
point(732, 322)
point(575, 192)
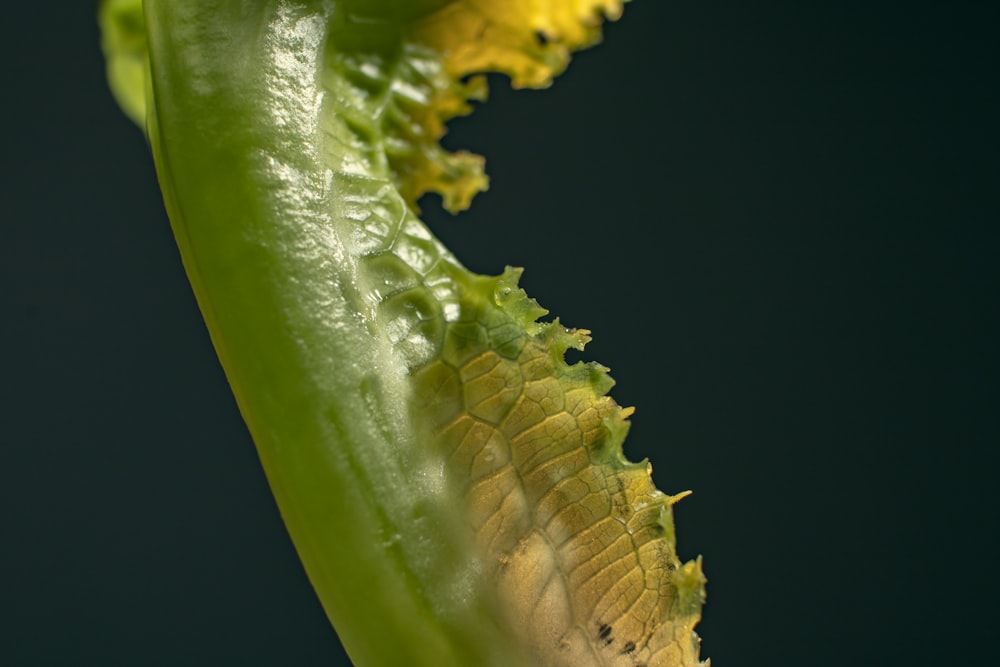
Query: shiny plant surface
point(455, 489)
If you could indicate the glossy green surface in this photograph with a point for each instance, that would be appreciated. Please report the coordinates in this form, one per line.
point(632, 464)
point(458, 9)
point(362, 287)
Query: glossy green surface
point(273, 223)
point(291, 139)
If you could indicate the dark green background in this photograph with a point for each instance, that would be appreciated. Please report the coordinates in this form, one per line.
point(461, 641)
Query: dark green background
point(778, 218)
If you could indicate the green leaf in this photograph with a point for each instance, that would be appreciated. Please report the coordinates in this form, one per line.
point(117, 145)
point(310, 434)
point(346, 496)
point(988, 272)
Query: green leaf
point(123, 40)
point(456, 491)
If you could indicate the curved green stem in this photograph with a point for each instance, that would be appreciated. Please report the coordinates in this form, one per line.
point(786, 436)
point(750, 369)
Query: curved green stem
point(455, 490)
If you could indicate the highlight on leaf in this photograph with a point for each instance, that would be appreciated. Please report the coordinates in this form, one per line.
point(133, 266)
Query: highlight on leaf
point(418, 424)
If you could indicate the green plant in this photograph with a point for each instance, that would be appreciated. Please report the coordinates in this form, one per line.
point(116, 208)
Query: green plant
point(456, 491)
